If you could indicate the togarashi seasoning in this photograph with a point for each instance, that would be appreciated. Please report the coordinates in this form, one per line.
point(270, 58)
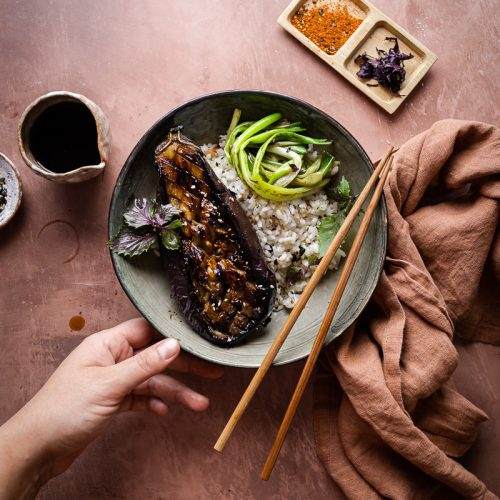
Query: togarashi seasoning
point(328, 27)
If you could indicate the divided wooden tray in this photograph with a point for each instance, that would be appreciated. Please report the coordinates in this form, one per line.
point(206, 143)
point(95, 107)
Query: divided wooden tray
point(371, 33)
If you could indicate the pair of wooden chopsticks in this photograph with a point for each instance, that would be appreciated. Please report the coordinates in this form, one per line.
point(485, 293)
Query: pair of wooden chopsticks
point(378, 177)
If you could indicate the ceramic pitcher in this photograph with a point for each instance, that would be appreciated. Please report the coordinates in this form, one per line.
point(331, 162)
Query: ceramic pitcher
point(103, 139)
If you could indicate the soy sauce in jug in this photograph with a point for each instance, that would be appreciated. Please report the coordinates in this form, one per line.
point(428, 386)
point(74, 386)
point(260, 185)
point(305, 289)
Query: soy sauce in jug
point(64, 137)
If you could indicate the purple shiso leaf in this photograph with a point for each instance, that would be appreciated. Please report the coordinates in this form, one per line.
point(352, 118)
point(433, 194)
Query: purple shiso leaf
point(164, 215)
point(141, 214)
point(387, 69)
point(143, 223)
point(131, 244)
point(145, 213)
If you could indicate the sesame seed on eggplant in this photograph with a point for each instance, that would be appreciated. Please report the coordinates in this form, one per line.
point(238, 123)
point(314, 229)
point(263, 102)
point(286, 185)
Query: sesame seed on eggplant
point(219, 276)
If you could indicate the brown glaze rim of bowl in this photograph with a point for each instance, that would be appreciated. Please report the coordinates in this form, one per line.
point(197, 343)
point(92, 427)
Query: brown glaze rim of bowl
point(378, 264)
point(33, 110)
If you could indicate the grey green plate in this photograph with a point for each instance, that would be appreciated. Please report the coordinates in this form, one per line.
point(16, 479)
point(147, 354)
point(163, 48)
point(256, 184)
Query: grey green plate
point(144, 279)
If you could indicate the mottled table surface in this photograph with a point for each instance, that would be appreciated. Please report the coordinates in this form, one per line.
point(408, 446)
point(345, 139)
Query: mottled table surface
point(137, 60)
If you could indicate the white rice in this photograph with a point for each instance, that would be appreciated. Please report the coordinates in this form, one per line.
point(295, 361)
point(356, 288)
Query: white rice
point(287, 230)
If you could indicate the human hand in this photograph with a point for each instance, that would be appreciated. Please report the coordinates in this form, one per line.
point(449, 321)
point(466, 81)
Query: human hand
point(106, 374)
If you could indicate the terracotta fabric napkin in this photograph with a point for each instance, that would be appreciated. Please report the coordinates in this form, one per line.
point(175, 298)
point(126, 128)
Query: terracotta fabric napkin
point(387, 419)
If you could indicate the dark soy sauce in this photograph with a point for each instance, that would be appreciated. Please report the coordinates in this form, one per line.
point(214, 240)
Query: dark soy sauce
point(64, 137)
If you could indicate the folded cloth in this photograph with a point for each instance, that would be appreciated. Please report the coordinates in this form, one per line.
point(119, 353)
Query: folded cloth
point(387, 419)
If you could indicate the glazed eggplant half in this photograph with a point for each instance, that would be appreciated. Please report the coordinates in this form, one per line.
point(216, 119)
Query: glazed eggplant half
point(219, 276)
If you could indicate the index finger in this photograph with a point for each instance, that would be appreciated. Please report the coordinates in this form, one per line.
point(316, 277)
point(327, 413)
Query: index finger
point(186, 363)
point(136, 332)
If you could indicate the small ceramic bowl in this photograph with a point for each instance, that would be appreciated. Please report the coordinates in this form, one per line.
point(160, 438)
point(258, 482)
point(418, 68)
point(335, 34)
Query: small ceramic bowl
point(103, 139)
point(14, 189)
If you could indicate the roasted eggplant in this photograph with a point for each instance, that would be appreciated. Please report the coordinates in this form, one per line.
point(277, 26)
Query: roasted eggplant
point(219, 276)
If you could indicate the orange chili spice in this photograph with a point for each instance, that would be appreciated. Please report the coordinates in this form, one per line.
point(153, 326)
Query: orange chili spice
point(328, 27)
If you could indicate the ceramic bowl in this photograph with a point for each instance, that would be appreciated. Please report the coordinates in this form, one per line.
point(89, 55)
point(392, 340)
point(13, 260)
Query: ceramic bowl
point(103, 138)
point(144, 279)
point(14, 189)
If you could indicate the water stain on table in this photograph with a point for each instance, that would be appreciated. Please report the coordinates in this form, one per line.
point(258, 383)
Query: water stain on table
point(64, 232)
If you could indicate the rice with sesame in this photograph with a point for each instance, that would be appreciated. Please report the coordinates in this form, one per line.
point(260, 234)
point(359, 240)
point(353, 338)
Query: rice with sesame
point(287, 231)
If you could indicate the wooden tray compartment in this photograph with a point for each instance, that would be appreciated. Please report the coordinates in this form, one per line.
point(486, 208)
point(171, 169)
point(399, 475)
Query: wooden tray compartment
point(371, 33)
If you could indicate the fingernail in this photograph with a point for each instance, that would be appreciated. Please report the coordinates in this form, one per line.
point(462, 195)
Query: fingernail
point(167, 348)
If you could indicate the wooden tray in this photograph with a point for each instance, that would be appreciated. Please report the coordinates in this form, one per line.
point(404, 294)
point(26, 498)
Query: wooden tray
point(370, 34)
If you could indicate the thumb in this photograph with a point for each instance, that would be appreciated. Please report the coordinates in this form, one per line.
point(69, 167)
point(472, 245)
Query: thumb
point(151, 361)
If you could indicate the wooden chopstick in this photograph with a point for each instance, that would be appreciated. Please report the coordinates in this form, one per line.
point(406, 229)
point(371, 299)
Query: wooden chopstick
point(299, 306)
point(325, 325)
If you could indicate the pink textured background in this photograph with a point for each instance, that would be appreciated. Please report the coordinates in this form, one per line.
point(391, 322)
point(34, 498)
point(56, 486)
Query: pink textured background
point(137, 60)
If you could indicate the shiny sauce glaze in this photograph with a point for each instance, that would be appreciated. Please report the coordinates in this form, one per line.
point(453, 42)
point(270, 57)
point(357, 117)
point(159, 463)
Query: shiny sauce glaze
point(229, 293)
